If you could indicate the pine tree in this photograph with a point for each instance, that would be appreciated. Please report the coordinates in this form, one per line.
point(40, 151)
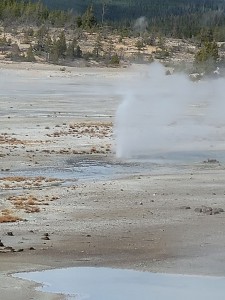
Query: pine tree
point(61, 45)
point(30, 55)
point(206, 58)
point(78, 52)
point(115, 61)
point(54, 53)
point(98, 46)
point(71, 49)
point(15, 52)
point(88, 18)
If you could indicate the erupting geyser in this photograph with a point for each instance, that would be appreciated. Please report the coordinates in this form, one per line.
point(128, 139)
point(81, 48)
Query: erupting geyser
point(162, 114)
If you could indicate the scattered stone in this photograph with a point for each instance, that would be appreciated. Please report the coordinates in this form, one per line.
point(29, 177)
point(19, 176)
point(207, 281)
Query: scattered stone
point(207, 210)
point(185, 207)
point(46, 236)
point(19, 250)
point(10, 249)
point(216, 211)
point(10, 233)
point(6, 249)
point(198, 209)
point(211, 161)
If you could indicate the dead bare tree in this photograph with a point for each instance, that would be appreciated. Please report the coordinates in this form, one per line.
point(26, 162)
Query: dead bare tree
point(105, 4)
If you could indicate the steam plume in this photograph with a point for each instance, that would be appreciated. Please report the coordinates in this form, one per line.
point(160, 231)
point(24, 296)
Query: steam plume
point(162, 114)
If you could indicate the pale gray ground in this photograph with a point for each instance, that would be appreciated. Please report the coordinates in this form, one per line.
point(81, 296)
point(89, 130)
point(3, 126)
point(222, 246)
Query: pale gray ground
point(142, 218)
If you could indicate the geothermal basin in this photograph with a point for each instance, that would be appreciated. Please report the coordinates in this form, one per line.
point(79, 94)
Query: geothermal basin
point(109, 167)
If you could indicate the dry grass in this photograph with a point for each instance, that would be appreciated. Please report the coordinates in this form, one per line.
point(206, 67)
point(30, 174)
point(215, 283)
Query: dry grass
point(13, 178)
point(7, 217)
point(10, 182)
point(27, 203)
point(7, 139)
point(91, 129)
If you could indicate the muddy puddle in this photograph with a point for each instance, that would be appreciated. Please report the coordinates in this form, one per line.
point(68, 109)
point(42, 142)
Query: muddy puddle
point(83, 169)
point(92, 168)
point(84, 283)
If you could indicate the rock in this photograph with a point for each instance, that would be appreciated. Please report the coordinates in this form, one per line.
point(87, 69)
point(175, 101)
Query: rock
point(46, 236)
point(19, 250)
point(198, 209)
point(32, 248)
point(1, 244)
point(10, 233)
point(212, 161)
point(216, 211)
point(6, 249)
point(206, 209)
point(185, 207)
point(209, 213)
point(209, 210)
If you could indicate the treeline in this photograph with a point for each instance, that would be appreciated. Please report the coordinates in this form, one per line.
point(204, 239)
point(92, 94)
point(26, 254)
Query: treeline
point(16, 12)
point(175, 18)
point(172, 18)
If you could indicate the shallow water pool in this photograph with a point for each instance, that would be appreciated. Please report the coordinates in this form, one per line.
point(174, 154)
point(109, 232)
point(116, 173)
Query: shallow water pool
point(112, 284)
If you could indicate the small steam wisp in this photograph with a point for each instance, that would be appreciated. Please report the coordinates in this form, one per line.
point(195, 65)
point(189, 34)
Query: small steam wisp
point(141, 25)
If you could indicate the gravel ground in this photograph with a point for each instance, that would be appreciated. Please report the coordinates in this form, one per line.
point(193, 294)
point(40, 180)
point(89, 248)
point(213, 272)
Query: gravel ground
point(71, 202)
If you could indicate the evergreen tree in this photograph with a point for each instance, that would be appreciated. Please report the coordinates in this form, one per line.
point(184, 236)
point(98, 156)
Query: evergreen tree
point(98, 46)
point(115, 61)
point(71, 49)
point(207, 57)
point(30, 55)
point(15, 52)
point(79, 21)
point(54, 53)
point(61, 45)
point(78, 52)
point(88, 18)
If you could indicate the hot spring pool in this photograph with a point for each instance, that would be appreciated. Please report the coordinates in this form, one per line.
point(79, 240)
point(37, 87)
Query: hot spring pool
point(83, 283)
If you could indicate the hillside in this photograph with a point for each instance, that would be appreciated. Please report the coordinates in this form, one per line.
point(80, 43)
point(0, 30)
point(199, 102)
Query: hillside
point(129, 9)
point(33, 31)
point(176, 18)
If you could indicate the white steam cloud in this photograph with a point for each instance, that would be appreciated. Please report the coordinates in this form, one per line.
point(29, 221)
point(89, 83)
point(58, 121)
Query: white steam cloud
point(164, 114)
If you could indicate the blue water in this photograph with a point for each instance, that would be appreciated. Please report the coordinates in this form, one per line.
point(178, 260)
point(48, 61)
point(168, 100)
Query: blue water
point(84, 283)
